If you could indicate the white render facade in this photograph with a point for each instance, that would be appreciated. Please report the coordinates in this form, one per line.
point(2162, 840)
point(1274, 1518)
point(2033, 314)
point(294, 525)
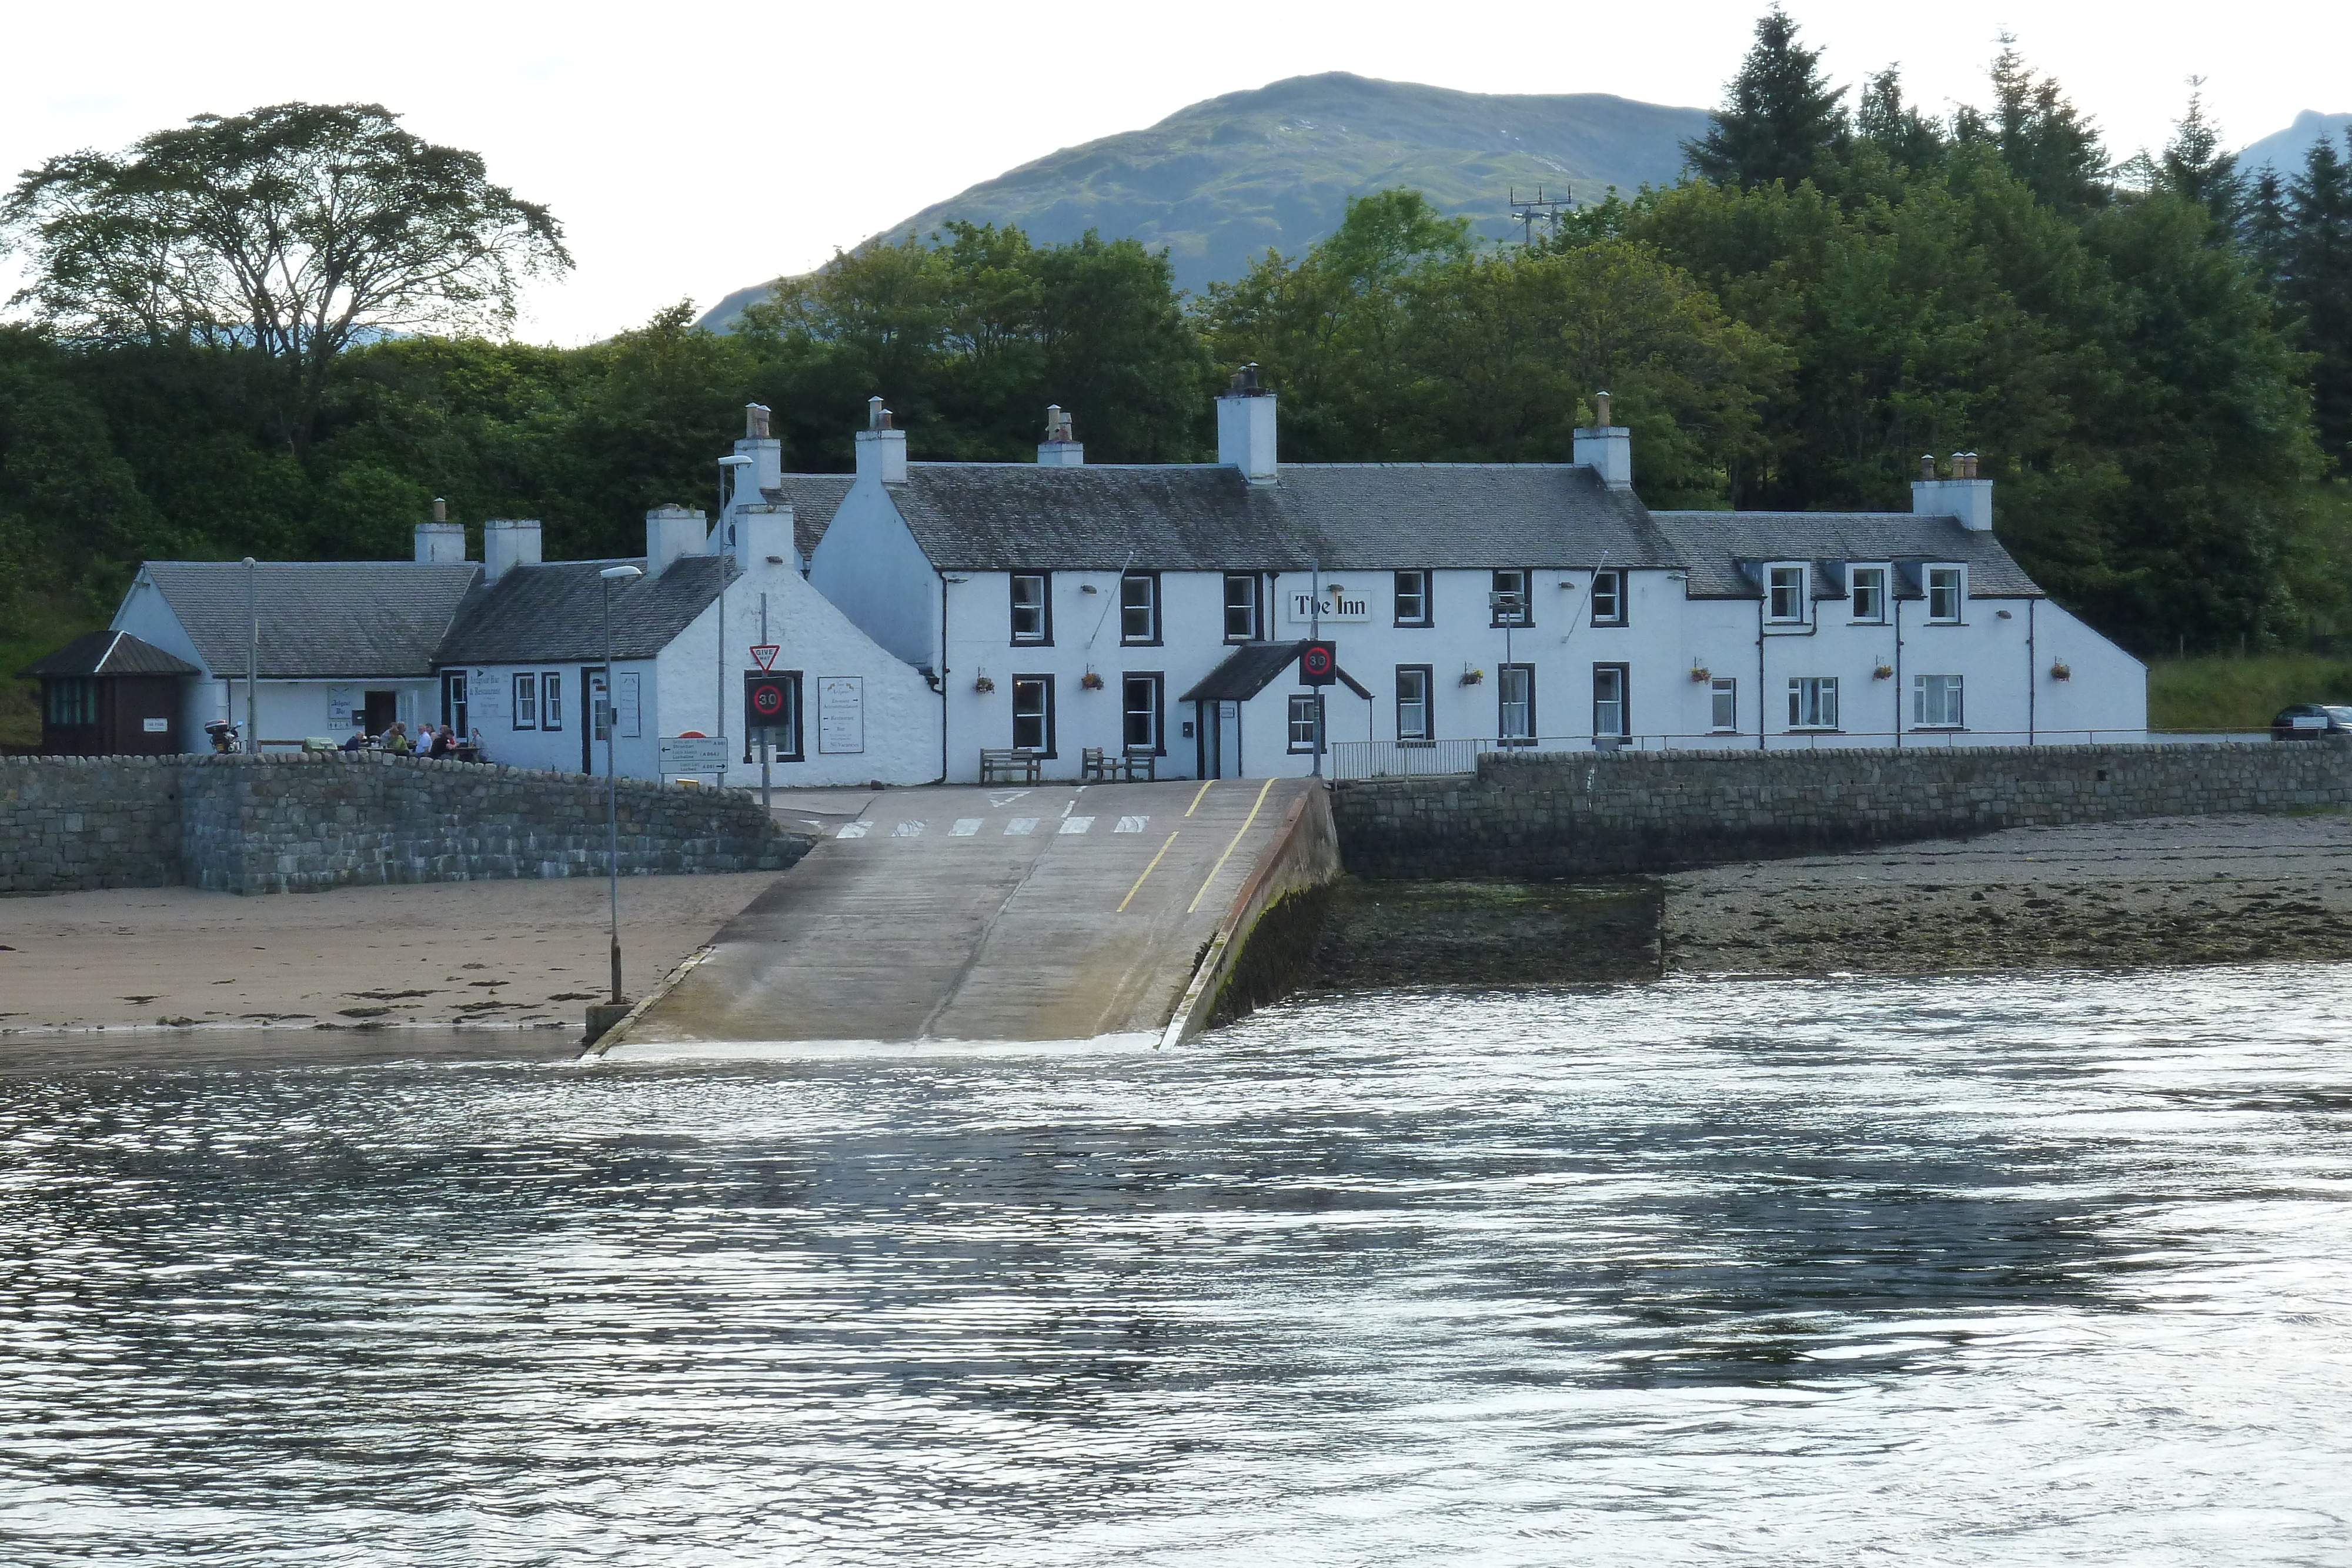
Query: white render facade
point(1154, 612)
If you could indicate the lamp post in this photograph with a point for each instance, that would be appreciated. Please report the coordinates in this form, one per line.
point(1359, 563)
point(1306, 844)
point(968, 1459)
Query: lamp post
point(612, 574)
point(252, 657)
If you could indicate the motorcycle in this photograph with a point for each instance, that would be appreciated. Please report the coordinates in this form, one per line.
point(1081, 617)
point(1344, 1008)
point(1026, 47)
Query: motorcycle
point(223, 734)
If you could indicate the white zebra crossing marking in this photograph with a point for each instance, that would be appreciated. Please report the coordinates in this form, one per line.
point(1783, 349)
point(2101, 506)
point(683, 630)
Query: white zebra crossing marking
point(1131, 825)
point(1077, 824)
point(853, 830)
point(1020, 827)
point(965, 827)
point(909, 829)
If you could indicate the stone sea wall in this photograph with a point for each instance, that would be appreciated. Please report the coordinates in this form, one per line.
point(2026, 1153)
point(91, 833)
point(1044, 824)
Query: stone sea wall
point(287, 823)
point(1623, 812)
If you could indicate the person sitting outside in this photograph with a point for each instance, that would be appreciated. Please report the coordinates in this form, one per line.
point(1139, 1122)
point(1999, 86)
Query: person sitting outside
point(396, 740)
point(475, 750)
point(359, 740)
point(423, 741)
point(444, 742)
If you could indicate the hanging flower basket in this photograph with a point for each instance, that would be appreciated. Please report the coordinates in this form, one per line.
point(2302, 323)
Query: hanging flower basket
point(1091, 681)
point(1883, 672)
point(2061, 671)
point(1471, 677)
point(1701, 672)
point(983, 685)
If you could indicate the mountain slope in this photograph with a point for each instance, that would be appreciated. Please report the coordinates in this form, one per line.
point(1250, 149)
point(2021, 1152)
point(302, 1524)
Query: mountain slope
point(2284, 149)
point(1220, 181)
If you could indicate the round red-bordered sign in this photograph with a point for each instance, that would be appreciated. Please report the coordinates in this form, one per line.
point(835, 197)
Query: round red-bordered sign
point(1318, 662)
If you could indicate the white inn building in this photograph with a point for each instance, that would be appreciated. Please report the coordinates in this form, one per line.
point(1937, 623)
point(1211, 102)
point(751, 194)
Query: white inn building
point(947, 620)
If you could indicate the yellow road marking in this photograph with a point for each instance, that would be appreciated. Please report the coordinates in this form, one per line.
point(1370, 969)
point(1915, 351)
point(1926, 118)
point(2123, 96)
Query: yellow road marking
point(1197, 794)
point(1231, 846)
point(1138, 880)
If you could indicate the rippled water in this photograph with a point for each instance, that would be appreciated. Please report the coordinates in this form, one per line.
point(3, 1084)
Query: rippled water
point(2000, 1270)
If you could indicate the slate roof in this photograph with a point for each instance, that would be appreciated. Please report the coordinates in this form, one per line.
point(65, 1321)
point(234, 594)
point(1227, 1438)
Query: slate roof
point(108, 653)
point(1713, 543)
point(813, 499)
point(1252, 667)
point(318, 619)
point(1356, 517)
point(554, 613)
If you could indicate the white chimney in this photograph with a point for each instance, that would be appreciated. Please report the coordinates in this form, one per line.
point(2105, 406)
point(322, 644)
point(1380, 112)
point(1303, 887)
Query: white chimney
point(1607, 449)
point(1246, 427)
point(508, 543)
point(1963, 495)
point(671, 532)
point(1061, 448)
point(757, 533)
point(767, 454)
point(440, 541)
point(881, 449)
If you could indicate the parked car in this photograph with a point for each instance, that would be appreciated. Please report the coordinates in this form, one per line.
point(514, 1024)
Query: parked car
point(2306, 721)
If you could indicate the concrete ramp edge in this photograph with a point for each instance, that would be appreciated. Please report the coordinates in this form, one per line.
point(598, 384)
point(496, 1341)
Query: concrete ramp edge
point(1304, 855)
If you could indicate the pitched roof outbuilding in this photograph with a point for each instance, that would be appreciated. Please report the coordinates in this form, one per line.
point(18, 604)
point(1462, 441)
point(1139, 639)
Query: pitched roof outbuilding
point(997, 517)
point(317, 619)
point(813, 499)
point(108, 653)
point(1713, 543)
point(554, 613)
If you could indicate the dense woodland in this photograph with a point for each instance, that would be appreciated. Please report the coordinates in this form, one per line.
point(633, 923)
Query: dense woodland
point(2153, 356)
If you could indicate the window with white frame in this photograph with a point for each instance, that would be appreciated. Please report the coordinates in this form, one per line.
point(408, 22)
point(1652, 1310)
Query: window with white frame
point(1508, 599)
point(1870, 593)
point(1785, 590)
point(1306, 720)
point(1033, 714)
point(1140, 705)
point(1241, 607)
point(1722, 704)
point(1413, 685)
point(1610, 715)
point(1412, 599)
point(1812, 702)
point(1139, 607)
point(1609, 599)
point(1936, 702)
point(1515, 702)
point(1944, 594)
point(526, 700)
point(1033, 612)
point(550, 699)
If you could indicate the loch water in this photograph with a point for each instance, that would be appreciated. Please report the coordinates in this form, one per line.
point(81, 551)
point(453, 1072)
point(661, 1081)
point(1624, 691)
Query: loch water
point(2039, 1269)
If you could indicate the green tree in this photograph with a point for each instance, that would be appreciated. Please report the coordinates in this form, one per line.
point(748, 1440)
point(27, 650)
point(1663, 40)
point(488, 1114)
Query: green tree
point(2316, 283)
point(2197, 169)
point(1779, 115)
point(290, 233)
point(1881, 118)
point(2044, 139)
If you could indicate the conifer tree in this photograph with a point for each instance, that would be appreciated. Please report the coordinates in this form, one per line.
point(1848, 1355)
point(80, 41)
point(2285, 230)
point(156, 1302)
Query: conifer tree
point(2047, 142)
point(1779, 114)
point(2318, 285)
point(2195, 167)
point(2266, 225)
point(1909, 139)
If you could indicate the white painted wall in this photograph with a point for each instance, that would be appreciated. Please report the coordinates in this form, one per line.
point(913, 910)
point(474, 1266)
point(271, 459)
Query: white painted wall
point(869, 565)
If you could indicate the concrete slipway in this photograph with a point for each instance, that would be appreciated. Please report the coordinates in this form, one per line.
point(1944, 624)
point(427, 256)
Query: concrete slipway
point(972, 913)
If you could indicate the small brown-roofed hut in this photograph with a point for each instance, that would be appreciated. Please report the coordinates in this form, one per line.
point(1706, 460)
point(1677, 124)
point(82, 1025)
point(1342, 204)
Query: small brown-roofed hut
point(106, 694)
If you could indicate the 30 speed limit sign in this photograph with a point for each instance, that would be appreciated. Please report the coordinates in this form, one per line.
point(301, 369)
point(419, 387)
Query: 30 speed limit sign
point(1319, 665)
point(767, 699)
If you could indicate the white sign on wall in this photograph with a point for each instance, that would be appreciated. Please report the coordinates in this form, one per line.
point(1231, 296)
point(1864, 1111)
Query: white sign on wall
point(694, 754)
point(339, 709)
point(628, 703)
point(155, 727)
point(1341, 603)
point(840, 714)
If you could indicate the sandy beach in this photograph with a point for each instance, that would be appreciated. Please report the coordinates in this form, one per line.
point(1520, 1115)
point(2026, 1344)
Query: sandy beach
point(514, 953)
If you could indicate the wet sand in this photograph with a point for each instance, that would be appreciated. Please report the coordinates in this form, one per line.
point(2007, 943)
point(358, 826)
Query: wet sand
point(517, 954)
point(2165, 891)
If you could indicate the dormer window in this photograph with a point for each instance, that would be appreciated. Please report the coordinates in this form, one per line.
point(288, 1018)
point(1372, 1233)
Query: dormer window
point(1784, 593)
point(1945, 591)
point(1869, 594)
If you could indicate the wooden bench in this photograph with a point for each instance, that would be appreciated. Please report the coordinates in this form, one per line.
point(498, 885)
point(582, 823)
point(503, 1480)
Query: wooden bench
point(1095, 766)
point(1010, 766)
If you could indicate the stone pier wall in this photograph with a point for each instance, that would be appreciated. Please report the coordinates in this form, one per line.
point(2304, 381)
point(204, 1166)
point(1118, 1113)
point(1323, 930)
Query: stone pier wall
point(287, 823)
point(1615, 813)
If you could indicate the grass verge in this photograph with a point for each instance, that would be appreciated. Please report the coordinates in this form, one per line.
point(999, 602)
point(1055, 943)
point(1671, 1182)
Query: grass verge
point(2223, 693)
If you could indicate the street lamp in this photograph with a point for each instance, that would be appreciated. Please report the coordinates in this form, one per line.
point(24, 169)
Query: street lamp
point(252, 655)
point(612, 574)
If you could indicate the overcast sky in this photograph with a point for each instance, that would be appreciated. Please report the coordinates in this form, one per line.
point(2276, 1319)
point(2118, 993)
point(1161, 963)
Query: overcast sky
point(690, 148)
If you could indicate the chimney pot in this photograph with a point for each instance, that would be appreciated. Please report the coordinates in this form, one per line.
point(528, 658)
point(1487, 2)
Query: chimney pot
point(1927, 466)
point(1600, 409)
point(881, 447)
point(755, 420)
point(873, 413)
point(440, 510)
